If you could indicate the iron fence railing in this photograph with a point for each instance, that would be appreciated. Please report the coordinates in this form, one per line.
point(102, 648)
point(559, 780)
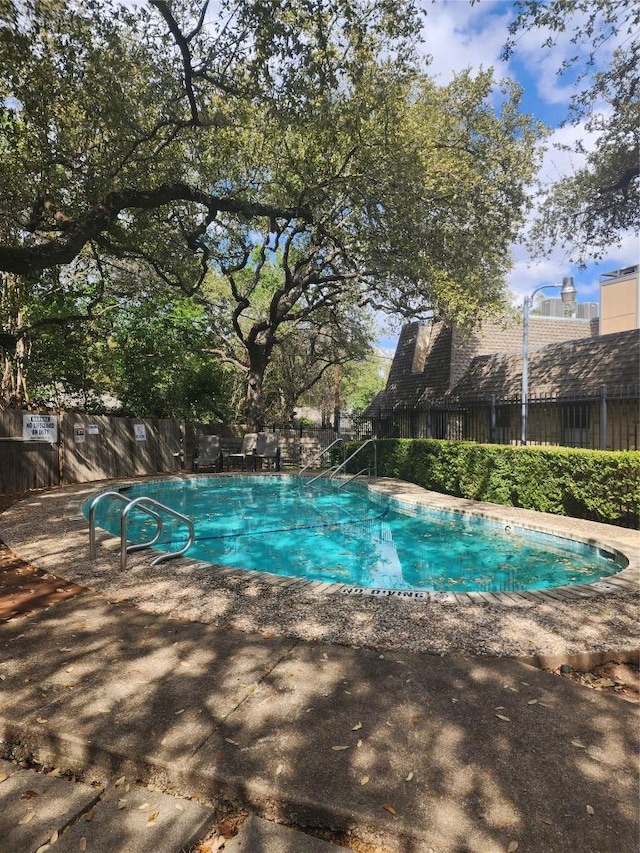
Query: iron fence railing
point(608, 419)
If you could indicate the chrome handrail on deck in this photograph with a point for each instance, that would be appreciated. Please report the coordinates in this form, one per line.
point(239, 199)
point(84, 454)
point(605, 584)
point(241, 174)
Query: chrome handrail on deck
point(355, 453)
point(343, 483)
point(142, 503)
point(92, 523)
point(316, 458)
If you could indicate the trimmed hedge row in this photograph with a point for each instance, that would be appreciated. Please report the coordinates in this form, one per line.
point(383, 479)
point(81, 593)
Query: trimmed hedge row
point(591, 484)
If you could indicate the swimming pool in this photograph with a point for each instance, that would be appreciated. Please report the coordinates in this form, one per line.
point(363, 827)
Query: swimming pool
point(345, 535)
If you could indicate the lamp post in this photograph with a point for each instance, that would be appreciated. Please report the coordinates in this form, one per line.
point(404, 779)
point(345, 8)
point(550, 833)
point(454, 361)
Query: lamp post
point(568, 294)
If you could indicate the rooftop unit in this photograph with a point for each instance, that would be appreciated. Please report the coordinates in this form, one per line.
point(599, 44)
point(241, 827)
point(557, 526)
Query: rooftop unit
point(578, 310)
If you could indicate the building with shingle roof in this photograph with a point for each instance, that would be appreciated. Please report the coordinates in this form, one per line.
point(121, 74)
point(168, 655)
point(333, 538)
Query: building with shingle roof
point(445, 384)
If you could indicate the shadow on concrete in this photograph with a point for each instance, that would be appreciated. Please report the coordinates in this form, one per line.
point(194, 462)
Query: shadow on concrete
point(409, 750)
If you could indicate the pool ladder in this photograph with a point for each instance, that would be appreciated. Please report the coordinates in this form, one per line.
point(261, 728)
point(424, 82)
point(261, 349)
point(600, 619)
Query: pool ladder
point(335, 469)
point(151, 507)
point(366, 470)
point(316, 459)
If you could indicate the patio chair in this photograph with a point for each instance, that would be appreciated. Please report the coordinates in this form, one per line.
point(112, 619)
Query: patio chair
point(207, 454)
point(267, 450)
point(247, 451)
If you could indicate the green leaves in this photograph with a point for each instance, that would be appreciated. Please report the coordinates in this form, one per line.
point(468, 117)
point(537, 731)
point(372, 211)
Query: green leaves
point(596, 485)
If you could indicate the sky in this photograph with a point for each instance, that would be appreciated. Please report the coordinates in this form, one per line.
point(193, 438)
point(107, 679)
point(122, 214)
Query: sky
point(458, 35)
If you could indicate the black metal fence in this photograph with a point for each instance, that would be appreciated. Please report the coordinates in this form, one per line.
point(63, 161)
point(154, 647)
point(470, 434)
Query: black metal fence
point(608, 420)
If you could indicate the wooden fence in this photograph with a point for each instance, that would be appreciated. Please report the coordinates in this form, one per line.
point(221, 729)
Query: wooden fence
point(77, 448)
point(42, 450)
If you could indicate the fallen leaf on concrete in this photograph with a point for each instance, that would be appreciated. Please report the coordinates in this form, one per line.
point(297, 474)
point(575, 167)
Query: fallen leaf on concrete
point(119, 781)
point(356, 727)
point(590, 810)
point(226, 829)
point(513, 847)
point(41, 720)
point(28, 795)
point(122, 804)
point(55, 772)
point(364, 780)
point(54, 837)
point(389, 809)
point(152, 817)
point(409, 777)
point(359, 744)
point(44, 847)
point(502, 717)
point(83, 844)
point(532, 702)
point(27, 818)
point(181, 711)
point(90, 815)
point(339, 748)
point(578, 744)
point(234, 742)
point(144, 806)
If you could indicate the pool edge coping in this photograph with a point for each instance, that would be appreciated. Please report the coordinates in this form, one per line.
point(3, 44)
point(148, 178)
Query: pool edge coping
point(588, 532)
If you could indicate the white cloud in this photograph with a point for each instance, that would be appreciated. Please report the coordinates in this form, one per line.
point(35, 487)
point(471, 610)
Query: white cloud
point(458, 36)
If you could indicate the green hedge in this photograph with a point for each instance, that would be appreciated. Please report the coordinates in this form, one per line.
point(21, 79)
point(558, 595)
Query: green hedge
point(592, 484)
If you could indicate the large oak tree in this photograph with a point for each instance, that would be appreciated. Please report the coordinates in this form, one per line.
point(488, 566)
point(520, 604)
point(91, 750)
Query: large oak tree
point(209, 144)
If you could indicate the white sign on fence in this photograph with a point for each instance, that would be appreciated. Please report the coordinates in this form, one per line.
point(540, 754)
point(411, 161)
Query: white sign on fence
point(79, 434)
point(39, 427)
point(140, 432)
point(94, 429)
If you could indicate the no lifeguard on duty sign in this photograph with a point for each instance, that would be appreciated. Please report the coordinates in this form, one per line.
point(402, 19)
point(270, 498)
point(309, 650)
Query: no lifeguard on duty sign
point(39, 427)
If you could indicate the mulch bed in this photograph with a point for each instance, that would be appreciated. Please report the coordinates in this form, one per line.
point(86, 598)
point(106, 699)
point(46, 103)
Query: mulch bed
point(25, 589)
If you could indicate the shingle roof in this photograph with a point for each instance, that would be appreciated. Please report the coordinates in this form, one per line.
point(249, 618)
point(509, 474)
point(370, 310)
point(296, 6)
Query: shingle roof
point(569, 368)
point(421, 366)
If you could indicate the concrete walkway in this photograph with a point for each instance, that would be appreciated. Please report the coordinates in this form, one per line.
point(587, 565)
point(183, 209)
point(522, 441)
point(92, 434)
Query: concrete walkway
point(408, 751)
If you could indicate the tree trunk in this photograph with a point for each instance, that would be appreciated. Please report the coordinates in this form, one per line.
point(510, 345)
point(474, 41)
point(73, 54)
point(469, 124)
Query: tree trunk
point(13, 349)
point(259, 355)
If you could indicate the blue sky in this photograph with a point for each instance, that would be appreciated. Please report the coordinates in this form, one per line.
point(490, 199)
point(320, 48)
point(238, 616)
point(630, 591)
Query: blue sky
point(458, 35)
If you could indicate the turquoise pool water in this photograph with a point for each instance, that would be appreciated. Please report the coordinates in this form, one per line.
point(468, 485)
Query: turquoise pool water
point(275, 524)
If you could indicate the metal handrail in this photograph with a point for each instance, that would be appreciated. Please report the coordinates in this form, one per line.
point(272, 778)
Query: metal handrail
point(319, 456)
point(92, 522)
point(353, 476)
point(136, 502)
point(322, 473)
point(141, 503)
point(355, 453)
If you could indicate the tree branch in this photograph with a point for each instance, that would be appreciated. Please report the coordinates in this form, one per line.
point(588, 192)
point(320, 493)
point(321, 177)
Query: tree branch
point(73, 234)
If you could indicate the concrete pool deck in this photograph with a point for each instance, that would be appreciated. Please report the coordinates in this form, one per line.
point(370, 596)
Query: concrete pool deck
point(446, 752)
point(48, 531)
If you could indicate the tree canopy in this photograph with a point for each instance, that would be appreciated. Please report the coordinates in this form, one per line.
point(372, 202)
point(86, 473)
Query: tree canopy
point(210, 144)
point(590, 211)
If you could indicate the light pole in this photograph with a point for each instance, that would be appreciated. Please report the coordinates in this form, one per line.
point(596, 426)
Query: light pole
point(568, 294)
